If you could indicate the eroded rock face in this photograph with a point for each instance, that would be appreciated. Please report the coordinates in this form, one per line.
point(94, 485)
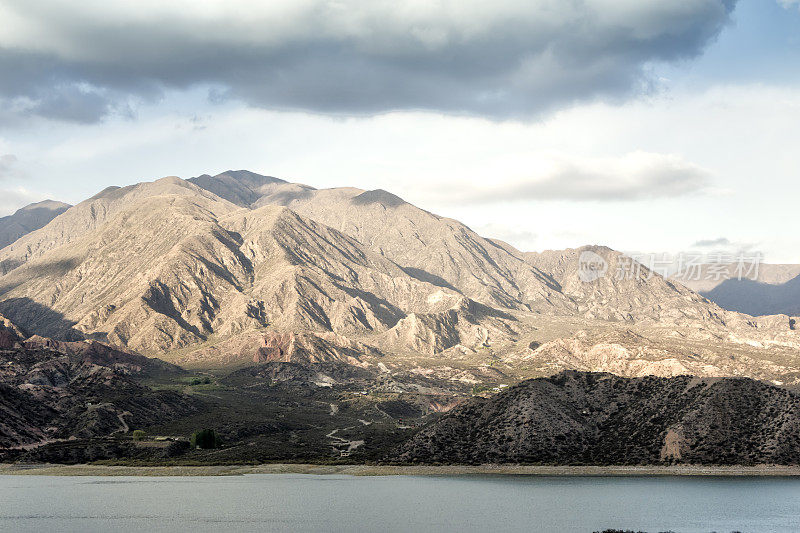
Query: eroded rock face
point(590, 418)
point(10, 334)
point(431, 248)
point(96, 353)
point(309, 348)
point(466, 324)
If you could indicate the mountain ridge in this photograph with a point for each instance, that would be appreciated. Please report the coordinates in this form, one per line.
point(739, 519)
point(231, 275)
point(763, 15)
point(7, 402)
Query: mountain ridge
point(599, 419)
point(171, 268)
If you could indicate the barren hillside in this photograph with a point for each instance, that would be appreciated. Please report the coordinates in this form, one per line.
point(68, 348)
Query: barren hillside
point(588, 418)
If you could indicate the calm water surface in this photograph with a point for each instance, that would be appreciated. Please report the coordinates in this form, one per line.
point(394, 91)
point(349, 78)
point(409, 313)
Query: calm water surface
point(273, 502)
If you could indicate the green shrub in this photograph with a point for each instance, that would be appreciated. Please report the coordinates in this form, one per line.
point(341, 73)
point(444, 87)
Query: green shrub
point(205, 439)
point(201, 381)
point(139, 434)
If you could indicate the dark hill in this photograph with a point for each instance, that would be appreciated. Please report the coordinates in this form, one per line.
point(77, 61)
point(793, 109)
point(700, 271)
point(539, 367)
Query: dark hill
point(597, 418)
point(52, 390)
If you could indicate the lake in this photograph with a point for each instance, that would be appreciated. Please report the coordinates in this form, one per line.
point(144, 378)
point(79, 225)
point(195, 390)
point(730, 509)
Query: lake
point(301, 502)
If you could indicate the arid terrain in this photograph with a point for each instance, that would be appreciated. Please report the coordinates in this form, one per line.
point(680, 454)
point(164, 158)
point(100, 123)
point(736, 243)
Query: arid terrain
point(307, 324)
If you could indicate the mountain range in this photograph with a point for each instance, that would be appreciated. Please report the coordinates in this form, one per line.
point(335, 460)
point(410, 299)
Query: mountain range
point(240, 268)
point(340, 320)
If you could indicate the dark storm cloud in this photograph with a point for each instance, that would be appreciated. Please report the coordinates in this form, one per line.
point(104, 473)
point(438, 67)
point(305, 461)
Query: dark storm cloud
point(70, 103)
point(79, 62)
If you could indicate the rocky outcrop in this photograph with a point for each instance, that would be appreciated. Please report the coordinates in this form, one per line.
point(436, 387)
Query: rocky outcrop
point(10, 335)
point(630, 354)
point(98, 354)
point(467, 324)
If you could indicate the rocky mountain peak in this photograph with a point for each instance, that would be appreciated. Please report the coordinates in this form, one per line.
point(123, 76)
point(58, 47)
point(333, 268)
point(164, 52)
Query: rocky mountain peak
point(241, 187)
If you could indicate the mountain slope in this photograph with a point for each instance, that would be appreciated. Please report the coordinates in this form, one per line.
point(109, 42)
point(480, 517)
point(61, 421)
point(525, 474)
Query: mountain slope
point(28, 219)
point(705, 277)
point(586, 418)
point(447, 253)
point(240, 187)
point(766, 290)
point(172, 270)
point(626, 290)
point(431, 248)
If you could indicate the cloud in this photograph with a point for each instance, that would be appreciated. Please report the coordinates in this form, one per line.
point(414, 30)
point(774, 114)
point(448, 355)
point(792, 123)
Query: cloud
point(788, 4)
point(72, 104)
point(7, 163)
point(12, 199)
point(507, 58)
point(710, 243)
point(635, 176)
point(516, 236)
point(715, 249)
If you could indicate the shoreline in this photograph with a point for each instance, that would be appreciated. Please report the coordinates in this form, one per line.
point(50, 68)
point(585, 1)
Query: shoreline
point(408, 470)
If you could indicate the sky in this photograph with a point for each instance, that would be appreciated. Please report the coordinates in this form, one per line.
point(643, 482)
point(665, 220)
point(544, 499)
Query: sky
point(642, 125)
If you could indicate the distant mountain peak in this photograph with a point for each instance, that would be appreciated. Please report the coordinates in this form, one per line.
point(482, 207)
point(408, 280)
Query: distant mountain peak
point(52, 205)
point(248, 176)
point(28, 219)
point(379, 196)
point(170, 180)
